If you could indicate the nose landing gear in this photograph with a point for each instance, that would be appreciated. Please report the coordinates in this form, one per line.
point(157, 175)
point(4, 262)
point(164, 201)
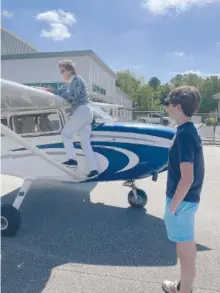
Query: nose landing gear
point(137, 198)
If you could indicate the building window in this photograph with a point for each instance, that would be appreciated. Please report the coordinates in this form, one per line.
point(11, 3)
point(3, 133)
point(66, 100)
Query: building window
point(97, 89)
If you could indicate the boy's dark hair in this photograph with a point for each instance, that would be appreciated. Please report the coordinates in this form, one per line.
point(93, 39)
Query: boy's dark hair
point(188, 97)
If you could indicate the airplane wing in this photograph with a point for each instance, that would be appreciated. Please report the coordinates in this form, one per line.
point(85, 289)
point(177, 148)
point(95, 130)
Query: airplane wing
point(16, 96)
point(108, 106)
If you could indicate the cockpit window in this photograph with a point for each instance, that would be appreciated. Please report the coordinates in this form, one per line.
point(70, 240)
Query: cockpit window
point(36, 123)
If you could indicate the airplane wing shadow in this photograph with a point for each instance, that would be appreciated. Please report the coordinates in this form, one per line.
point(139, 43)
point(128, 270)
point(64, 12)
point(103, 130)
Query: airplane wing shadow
point(64, 228)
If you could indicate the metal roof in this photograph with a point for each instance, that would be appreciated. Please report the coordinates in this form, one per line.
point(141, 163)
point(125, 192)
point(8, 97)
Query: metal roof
point(63, 54)
point(12, 44)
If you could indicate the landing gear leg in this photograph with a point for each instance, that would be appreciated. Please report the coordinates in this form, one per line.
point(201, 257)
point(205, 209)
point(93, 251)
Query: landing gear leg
point(137, 198)
point(10, 215)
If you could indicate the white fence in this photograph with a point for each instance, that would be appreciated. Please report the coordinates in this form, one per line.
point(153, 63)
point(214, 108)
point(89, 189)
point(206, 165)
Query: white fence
point(210, 134)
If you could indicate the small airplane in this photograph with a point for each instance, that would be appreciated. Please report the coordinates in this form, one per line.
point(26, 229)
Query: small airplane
point(32, 146)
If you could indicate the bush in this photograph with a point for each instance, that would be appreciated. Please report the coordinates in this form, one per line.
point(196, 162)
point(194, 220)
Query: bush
point(211, 120)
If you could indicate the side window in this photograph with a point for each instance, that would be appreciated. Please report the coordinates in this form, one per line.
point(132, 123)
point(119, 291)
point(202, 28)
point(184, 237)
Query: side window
point(68, 112)
point(97, 117)
point(37, 123)
point(4, 121)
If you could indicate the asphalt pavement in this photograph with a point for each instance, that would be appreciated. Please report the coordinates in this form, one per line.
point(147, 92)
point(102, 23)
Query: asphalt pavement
point(75, 241)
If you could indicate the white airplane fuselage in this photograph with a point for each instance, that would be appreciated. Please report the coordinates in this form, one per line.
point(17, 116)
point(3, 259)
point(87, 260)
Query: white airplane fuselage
point(124, 150)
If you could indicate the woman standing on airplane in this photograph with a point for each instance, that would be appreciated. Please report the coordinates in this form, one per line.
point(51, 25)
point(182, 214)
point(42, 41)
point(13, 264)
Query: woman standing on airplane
point(75, 91)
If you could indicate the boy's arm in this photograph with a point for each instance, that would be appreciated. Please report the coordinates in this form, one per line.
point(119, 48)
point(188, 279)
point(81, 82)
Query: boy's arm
point(186, 149)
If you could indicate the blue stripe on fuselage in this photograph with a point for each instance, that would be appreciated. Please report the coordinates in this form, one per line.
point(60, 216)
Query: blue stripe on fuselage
point(139, 128)
point(151, 159)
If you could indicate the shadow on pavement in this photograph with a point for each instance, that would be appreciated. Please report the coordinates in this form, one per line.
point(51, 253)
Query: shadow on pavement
point(63, 227)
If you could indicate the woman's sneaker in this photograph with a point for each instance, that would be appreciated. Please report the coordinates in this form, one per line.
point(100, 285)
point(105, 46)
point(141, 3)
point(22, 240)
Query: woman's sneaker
point(71, 163)
point(92, 174)
point(170, 287)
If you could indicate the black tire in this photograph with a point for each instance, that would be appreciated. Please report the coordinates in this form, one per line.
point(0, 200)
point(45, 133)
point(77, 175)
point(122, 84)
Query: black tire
point(10, 220)
point(142, 198)
point(165, 122)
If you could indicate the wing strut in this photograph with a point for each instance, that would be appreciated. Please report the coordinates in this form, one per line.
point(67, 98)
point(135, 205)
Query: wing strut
point(29, 146)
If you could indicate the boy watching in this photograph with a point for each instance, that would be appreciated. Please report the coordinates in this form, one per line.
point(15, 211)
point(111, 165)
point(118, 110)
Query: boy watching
point(184, 184)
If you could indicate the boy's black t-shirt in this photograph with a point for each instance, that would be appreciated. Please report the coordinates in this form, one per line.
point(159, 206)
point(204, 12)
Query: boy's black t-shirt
point(187, 147)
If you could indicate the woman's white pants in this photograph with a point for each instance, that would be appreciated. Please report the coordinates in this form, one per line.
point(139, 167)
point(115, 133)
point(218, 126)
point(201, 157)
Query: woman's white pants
point(80, 122)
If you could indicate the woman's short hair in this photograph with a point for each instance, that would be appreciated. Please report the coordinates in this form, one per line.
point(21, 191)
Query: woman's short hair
point(68, 66)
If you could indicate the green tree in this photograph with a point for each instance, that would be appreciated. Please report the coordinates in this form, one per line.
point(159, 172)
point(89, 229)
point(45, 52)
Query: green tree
point(177, 80)
point(147, 95)
point(209, 87)
point(154, 82)
point(135, 87)
point(127, 81)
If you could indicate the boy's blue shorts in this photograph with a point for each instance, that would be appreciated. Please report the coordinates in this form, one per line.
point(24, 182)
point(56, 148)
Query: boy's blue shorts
point(180, 227)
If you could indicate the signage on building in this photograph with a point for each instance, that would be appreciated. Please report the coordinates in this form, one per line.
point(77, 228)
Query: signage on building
point(98, 89)
point(54, 85)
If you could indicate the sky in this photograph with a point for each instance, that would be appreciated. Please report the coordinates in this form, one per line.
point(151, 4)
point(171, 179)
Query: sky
point(150, 37)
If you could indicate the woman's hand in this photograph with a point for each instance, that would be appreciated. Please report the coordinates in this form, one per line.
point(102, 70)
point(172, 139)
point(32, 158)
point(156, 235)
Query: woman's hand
point(49, 89)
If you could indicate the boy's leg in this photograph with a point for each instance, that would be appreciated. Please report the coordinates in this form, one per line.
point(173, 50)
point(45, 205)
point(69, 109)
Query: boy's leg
point(187, 255)
point(180, 229)
point(186, 252)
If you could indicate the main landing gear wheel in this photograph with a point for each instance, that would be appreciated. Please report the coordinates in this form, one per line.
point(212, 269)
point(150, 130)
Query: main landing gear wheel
point(10, 220)
point(10, 215)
